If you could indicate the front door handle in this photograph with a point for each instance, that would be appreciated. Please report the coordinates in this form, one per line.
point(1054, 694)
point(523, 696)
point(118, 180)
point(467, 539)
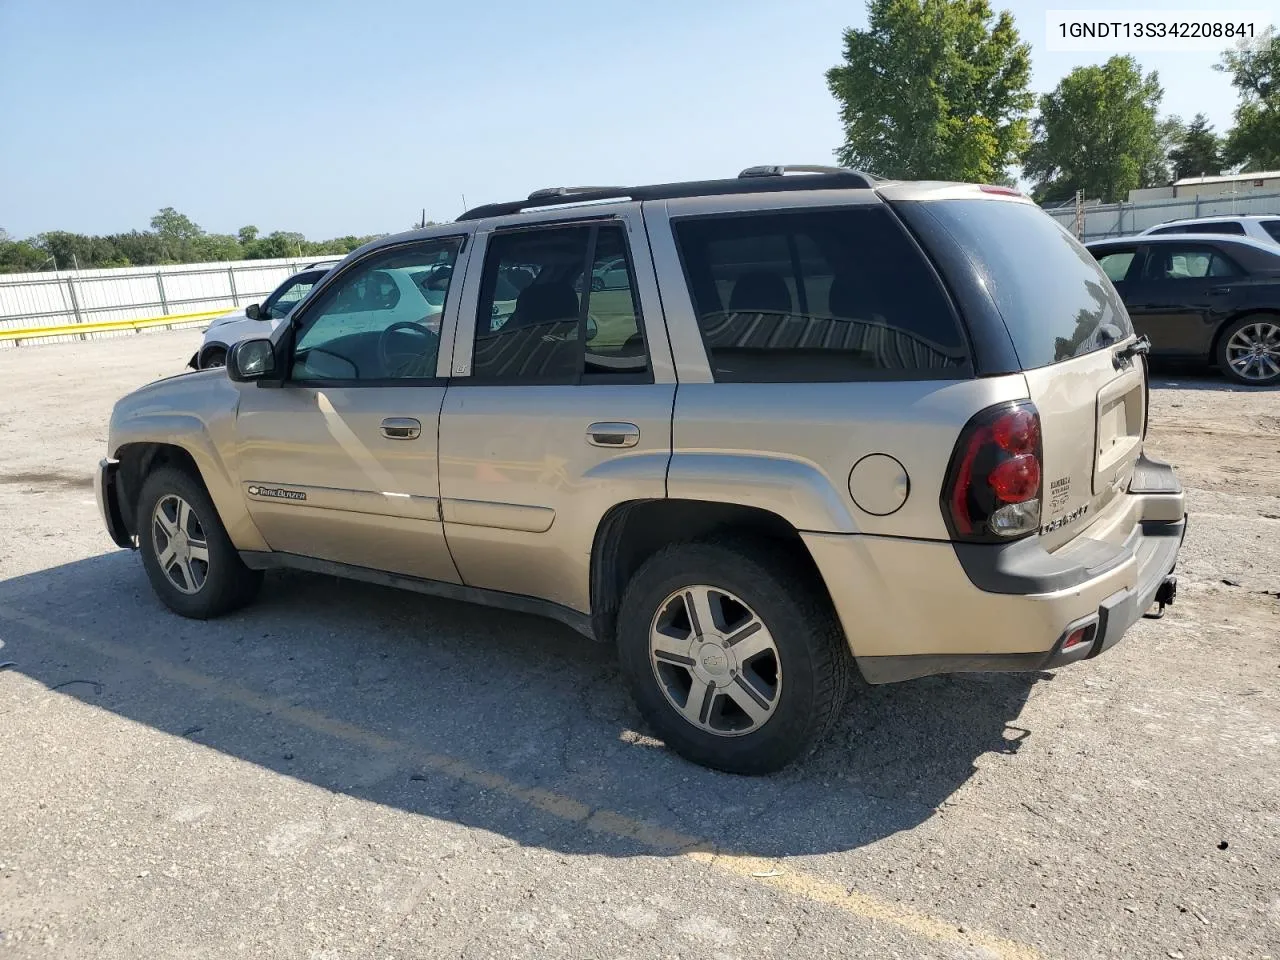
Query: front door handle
point(613, 434)
point(401, 428)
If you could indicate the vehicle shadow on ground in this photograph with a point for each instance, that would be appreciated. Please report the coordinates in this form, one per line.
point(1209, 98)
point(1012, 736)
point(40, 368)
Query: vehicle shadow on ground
point(1174, 376)
point(469, 714)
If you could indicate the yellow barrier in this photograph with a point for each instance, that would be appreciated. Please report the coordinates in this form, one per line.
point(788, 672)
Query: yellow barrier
point(104, 326)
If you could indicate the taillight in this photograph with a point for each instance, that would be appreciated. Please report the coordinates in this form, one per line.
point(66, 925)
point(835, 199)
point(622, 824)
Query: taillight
point(995, 480)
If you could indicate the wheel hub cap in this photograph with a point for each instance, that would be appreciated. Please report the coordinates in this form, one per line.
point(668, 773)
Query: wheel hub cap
point(715, 662)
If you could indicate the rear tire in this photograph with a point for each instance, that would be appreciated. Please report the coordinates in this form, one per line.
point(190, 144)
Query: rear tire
point(191, 563)
point(1249, 351)
point(757, 689)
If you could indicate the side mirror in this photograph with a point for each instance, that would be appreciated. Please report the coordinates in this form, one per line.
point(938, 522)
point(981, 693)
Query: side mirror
point(254, 312)
point(251, 360)
point(592, 328)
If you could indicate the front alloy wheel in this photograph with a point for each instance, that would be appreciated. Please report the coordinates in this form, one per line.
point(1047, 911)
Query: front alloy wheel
point(181, 548)
point(715, 661)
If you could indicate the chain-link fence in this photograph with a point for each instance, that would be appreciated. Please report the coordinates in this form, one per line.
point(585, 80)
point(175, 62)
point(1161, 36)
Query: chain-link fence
point(1123, 219)
point(83, 300)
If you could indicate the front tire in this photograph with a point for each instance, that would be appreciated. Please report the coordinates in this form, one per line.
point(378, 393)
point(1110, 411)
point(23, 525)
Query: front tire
point(213, 356)
point(736, 661)
point(1249, 351)
point(191, 563)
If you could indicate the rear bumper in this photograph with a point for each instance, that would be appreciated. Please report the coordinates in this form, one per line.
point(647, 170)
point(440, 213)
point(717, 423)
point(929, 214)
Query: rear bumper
point(106, 492)
point(911, 608)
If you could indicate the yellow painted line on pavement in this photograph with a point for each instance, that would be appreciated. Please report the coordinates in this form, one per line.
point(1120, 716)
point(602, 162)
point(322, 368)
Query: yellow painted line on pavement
point(774, 873)
point(105, 326)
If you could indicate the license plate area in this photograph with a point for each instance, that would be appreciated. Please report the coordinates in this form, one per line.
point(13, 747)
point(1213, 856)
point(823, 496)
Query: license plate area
point(1121, 405)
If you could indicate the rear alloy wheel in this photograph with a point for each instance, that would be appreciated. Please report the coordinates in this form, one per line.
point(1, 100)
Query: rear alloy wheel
point(1249, 351)
point(733, 653)
point(715, 661)
point(191, 562)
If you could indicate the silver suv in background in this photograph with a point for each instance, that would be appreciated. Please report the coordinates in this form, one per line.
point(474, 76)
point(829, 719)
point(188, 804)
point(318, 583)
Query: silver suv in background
point(828, 423)
point(1264, 228)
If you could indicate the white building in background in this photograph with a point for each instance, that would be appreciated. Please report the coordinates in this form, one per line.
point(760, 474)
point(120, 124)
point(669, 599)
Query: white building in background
point(1235, 184)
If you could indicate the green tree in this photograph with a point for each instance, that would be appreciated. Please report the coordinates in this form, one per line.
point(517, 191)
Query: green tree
point(217, 246)
point(1254, 142)
point(19, 256)
point(933, 89)
point(247, 234)
point(276, 244)
point(1097, 131)
point(1198, 151)
point(177, 233)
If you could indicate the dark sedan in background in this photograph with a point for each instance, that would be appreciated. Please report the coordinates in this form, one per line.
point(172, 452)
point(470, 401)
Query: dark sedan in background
point(1204, 298)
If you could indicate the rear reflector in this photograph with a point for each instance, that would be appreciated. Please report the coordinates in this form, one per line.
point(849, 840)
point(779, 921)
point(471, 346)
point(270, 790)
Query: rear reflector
point(1078, 636)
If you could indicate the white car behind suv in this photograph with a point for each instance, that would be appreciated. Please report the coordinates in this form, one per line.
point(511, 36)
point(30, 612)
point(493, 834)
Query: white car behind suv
point(1264, 228)
point(256, 320)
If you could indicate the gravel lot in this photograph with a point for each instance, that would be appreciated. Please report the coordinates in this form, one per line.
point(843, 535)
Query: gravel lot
point(345, 770)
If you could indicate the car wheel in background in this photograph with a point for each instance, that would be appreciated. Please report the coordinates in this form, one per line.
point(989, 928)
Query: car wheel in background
point(735, 660)
point(191, 563)
point(1249, 350)
point(214, 355)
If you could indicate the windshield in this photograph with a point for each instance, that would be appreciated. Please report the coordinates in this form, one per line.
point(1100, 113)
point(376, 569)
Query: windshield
point(289, 294)
point(1053, 297)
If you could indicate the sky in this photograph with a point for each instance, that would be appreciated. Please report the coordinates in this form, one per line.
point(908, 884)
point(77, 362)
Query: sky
point(336, 117)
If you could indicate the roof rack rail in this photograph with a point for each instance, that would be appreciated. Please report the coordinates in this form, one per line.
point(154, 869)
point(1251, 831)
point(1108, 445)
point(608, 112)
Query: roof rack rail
point(781, 170)
point(752, 180)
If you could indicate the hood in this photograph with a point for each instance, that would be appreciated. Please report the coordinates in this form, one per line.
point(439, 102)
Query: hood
point(231, 317)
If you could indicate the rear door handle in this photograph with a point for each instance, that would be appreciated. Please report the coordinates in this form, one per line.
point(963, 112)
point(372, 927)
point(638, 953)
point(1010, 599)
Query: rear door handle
point(401, 428)
point(613, 434)
point(1219, 291)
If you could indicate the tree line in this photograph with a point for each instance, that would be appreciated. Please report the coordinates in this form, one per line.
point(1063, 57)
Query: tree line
point(173, 238)
point(939, 89)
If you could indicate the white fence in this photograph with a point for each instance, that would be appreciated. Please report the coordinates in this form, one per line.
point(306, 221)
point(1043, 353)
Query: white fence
point(1123, 219)
point(38, 301)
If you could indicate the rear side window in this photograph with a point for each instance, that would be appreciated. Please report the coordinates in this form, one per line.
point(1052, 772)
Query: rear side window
point(1232, 227)
point(1173, 261)
point(1050, 291)
point(1273, 228)
point(809, 296)
point(558, 306)
point(1163, 230)
point(1115, 265)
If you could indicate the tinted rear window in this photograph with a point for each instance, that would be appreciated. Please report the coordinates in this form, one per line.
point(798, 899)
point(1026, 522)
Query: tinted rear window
point(1053, 297)
point(1272, 227)
point(822, 295)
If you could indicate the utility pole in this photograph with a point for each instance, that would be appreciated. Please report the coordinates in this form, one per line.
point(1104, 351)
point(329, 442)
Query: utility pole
point(1080, 215)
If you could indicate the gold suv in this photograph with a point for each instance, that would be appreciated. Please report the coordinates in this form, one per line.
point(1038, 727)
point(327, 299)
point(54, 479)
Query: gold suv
point(814, 421)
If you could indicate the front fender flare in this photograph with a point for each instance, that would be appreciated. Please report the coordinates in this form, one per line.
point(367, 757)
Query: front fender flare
point(189, 433)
